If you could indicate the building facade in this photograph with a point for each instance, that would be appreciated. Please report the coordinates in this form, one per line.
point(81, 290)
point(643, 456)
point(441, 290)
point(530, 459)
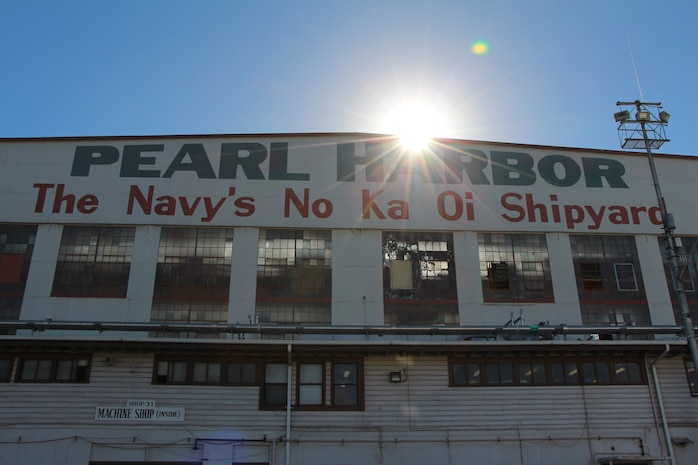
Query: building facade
point(334, 299)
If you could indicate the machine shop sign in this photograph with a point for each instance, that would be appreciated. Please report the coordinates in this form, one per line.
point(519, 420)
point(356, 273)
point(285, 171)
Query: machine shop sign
point(139, 411)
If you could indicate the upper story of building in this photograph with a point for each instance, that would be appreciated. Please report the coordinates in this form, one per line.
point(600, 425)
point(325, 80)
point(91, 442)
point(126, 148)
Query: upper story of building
point(337, 230)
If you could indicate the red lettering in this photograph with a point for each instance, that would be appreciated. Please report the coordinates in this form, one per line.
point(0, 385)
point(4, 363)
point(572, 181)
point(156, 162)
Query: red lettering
point(512, 207)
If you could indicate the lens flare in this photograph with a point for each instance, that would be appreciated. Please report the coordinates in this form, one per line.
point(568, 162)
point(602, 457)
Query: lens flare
point(415, 124)
point(480, 47)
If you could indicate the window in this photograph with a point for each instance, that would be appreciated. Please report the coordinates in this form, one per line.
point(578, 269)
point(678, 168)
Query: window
point(609, 281)
point(93, 261)
point(275, 384)
point(192, 278)
point(311, 383)
point(5, 369)
point(498, 275)
point(625, 276)
point(515, 268)
point(16, 247)
point(590, 274)
point(419, 278)
point(294, 276)
point(53, 369)
point(312, 380)
point(345, 384)
point(204, 371)
point(542, 371)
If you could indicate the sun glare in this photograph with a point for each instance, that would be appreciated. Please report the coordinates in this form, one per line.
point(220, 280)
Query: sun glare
point(415, 125)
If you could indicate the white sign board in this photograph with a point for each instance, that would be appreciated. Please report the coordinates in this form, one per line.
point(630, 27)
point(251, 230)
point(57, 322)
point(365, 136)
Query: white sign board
point(339, 181)
point(140, 410)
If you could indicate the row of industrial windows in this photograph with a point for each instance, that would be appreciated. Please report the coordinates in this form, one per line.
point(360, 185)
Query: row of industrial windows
point(339, 384)
point(546, 372)
point(294, 273)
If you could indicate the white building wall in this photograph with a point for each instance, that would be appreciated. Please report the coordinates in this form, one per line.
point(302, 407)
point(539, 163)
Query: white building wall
point(243, 276)
point(654, 276)
point(357, 277)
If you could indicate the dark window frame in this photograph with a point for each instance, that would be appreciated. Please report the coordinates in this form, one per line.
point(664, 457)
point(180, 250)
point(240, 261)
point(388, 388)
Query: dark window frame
point(79, 373)
point(621, 278)
point(330, 398)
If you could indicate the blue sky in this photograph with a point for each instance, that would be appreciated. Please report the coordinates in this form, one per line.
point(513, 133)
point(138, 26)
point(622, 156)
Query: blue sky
point(552, 73)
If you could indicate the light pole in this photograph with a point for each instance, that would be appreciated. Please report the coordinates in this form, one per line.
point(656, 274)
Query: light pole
point(646, 131)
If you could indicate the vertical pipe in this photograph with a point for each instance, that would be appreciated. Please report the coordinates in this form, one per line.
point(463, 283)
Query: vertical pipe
point(289, 373)
point(662, 414)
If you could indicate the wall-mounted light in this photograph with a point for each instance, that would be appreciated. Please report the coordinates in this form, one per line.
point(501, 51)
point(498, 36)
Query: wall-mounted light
point(397, 376)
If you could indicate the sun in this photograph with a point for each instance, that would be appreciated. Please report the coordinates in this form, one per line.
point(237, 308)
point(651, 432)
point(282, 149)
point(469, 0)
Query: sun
point(416, 124)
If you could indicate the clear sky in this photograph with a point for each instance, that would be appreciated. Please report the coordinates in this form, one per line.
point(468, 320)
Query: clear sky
point(545, 72)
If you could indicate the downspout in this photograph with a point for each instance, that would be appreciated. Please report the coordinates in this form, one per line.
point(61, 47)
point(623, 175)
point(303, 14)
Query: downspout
point(289, 373)
point(662, 414)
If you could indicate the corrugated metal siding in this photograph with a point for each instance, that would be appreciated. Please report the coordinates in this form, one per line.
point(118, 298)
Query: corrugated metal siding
point(680, 406)
point(423, 401)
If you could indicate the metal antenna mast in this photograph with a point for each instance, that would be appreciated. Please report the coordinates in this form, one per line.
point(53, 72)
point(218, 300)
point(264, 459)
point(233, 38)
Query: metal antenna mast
point(646, 131)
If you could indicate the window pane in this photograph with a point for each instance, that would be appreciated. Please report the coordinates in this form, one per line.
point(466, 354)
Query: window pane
point(506, 373)
point(571, 373)
point(276, 373)
point(557, 372)
point(310, 394)
point(525, 373)
point(345, 395)
point(43, 370)
point(234, 373)
point(248, 373)
point(311, 373)
point(603, 372)
point(459, 374)
point(5, 368)
point(64, 370)
point(634, 372)
point(178, 372)
point(492, 373)
point(625, 276)
point(539, 374)
point(345, 373)
point(199, 374)
point(275, 394)
point(589, 373)
point(29, 369)
point(621, 370)
point(473, 373)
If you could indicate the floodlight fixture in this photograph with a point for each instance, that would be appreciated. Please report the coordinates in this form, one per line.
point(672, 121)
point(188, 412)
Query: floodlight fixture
point(642, 115)
point(664, 117)
point(622, 116)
